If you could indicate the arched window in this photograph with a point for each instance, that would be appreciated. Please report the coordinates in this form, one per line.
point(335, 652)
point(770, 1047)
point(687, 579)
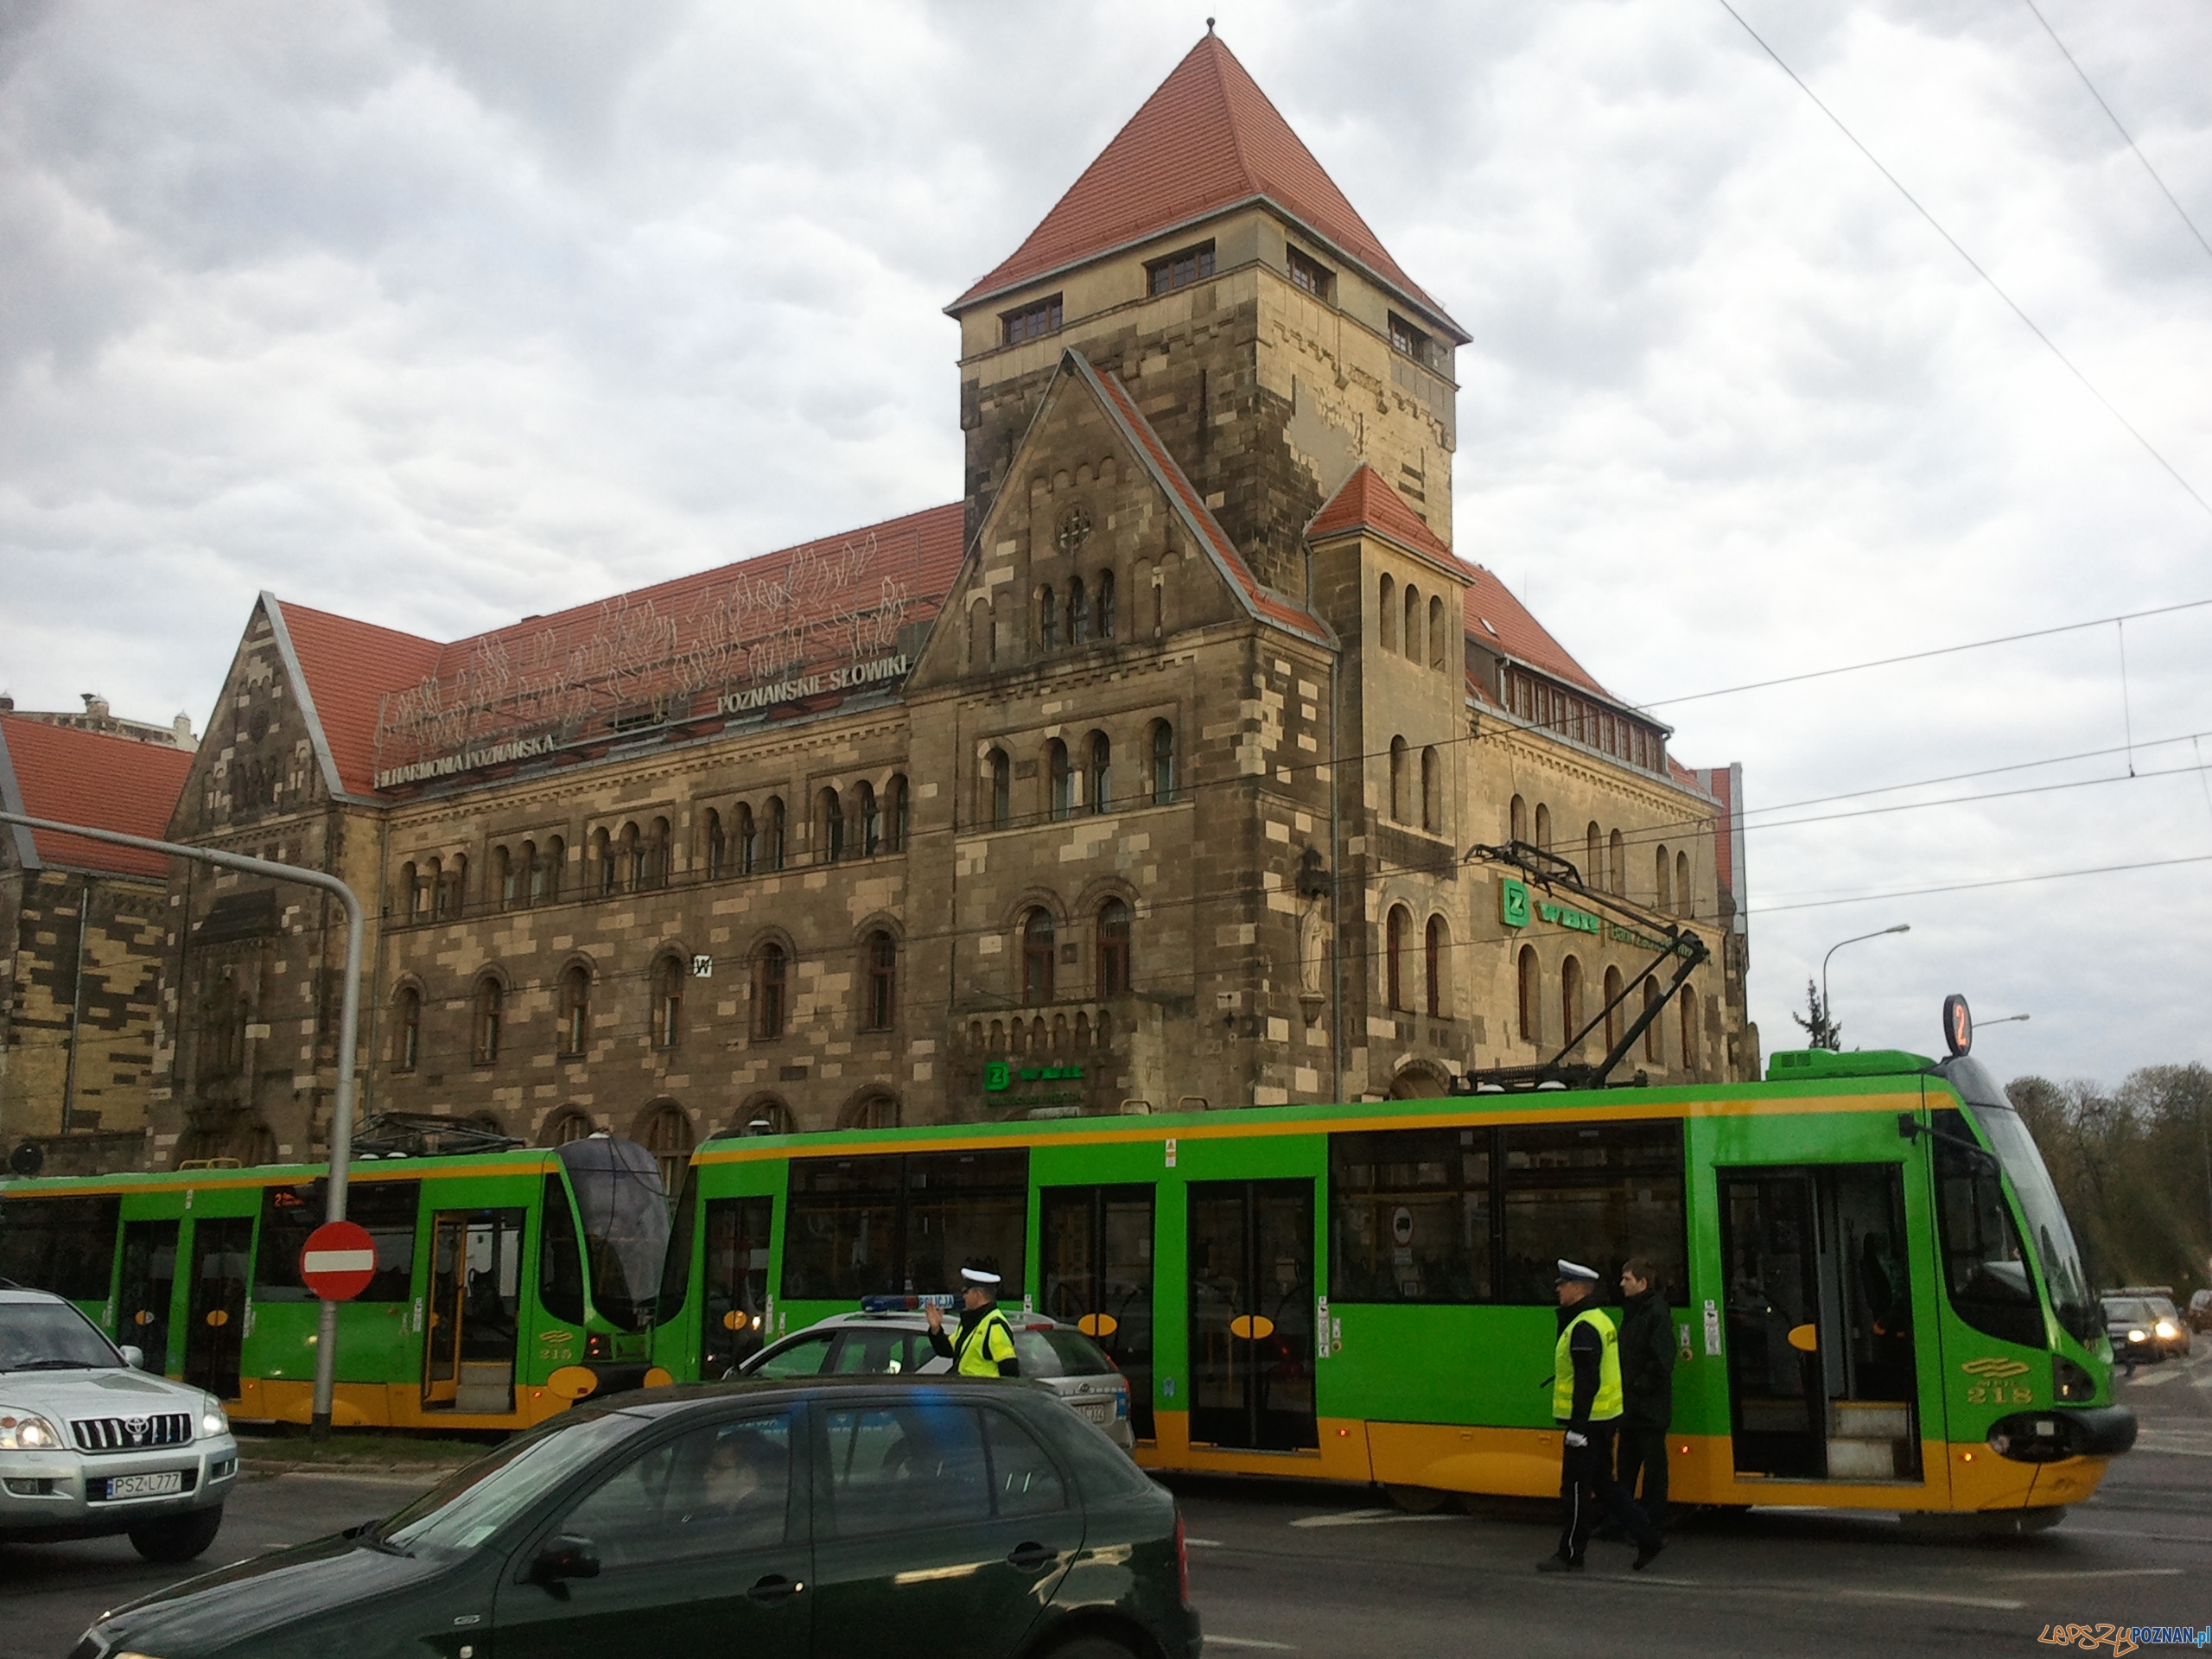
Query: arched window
point(1432, 791)
point(1400, 784)
point(666, 1133)
point(1594, 856)
point(979, 622)
point(1570, 1000)
point(433, 877)
point(1683, 905)
point(567, 1124)
point(1037, 953)
point(828, 828)
point(770, 968)
point(576, 1010)
point(602, 859)
point(1438, 640)
point(457, 884)
point(1394, 957)
point(748, 840)
point(1414, 630)
point(660, 853)
point(530, 877)
point(1105, 604)
point(1613, 986)
point(772, 850)
point(1386, 614)
point(1079, 613)
point(1516, 820)
point(717, 845)
point(998, 779)
point(1438, 964)
point(1163, 763)
point(491, 1005)
point(894, 819)
point(668, 1002)
point(632, 859)
point(1653, 1033)
point(1159, 602)
point(1059, 779)
point(1693, 1050)
point(410, 890)
point(871, 818)
point(1543, 826)
point(1662, 879)
point(1617, 864)
point(876, 1109)
point(1102, 772)
point(882, 1005)
point(502, 877)
point(1532, 1013)
point(1113, 948)
point(406, 1029)
point(1048, 619)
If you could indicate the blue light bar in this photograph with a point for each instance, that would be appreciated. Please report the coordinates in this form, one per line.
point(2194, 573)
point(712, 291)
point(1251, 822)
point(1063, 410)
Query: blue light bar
point(904, 1304)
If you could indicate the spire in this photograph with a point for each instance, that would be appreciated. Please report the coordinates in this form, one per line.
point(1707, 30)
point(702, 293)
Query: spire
point(1207, 139)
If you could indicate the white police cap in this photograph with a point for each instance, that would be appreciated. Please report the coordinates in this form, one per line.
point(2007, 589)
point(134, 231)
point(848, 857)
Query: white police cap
point(978, 1276)
point(1574, 1272)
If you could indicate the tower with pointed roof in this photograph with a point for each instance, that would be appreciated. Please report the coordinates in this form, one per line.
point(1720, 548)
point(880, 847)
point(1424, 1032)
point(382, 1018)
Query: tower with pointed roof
point(1207, 262)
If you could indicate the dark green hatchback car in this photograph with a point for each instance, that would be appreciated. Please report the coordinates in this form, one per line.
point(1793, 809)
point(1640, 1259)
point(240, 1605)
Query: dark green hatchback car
point(875, 1517)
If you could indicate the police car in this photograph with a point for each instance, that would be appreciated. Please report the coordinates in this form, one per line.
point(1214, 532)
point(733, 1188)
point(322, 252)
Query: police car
point(91, 1445)
point(890, 1335)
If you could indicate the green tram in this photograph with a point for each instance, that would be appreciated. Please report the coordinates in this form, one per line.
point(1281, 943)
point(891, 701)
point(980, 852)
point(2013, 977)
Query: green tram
point(509, 1282)
point(1879, 1302)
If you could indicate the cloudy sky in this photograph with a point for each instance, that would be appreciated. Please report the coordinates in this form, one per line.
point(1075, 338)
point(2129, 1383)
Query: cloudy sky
point(438, 312)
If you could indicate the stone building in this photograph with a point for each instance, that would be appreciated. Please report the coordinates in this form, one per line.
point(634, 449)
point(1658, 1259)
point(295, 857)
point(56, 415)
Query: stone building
point(1143, 776)
point(82, 924)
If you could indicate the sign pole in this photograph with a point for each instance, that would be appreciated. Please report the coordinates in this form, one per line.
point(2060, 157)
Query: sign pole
point(349, 1020)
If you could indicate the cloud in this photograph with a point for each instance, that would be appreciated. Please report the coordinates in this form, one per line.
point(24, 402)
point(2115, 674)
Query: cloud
point(438, 314)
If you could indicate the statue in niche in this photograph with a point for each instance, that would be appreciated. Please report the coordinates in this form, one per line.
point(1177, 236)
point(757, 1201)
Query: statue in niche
point(1312, 943)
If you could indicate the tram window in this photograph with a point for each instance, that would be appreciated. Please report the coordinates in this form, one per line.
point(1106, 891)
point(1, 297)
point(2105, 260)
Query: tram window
point(63, 1245)
point(288, 1214)
point(1985, 1269)
point(561, 1260)
point(1591, 1192)
point(676, 1265)
point(1409, 1216)
point(875, 1226)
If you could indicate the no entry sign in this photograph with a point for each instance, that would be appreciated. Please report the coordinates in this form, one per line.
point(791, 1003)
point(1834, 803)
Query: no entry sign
point(337, 1261)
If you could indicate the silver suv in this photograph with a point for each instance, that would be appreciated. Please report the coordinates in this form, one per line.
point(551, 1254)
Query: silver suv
point(91, 1446)
point(882, 1344)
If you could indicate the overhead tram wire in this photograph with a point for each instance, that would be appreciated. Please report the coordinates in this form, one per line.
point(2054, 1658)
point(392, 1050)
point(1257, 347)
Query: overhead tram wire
point(2109, 115)
point(2111, 408)
point(1970, 886)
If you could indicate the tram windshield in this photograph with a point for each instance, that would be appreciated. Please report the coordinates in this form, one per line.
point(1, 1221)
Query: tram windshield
point(2049, 1235)
point(624, 1210)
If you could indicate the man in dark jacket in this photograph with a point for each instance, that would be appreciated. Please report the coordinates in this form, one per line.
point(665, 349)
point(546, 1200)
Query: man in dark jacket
point(1647, 1386)
point(1586, 1404)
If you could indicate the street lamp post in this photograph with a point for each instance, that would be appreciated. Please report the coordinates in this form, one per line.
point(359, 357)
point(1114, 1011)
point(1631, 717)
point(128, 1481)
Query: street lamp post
point(1827, 1007)
point(2003, 1020)
point(349, 1019)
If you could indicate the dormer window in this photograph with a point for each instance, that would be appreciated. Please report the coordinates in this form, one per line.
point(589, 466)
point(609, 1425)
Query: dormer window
point(1031, 322)
point(1180, 270)
point(1404, 337)
point(1312, 276)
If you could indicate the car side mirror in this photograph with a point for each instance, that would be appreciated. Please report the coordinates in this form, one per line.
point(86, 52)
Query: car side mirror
point(133, 1357)
point(565, 1557)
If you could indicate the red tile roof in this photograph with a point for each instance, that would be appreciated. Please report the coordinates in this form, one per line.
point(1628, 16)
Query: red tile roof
point(1263, 602)
point(90, 778)
point(799, 599)
point(1364, 501)
point(1207, 139)
point(1519, 635)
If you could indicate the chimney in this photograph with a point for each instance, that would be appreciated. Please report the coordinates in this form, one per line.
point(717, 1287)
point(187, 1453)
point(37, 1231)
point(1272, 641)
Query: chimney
point(7, 704)
point(95, 704)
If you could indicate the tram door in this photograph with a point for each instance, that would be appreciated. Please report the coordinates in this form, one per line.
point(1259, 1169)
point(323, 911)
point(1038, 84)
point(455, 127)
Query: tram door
point(469, 1339)
point(1096, 1258)
point(1822, 1380)
point(736, 1261)
point(141, 1308)
point(1251, 1254)
point(222, 1257)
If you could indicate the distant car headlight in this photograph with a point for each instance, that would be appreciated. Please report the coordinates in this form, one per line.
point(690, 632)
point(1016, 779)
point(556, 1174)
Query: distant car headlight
point(26, 1431)
point(2165, 1330)
point(214, 1421)
point(2137, 1336)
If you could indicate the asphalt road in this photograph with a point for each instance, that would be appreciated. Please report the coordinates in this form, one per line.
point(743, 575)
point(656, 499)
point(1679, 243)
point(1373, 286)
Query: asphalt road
point(1321, 1570)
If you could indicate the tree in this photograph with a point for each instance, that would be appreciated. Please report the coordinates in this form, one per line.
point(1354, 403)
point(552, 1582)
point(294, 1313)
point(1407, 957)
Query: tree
point(1821, 1030)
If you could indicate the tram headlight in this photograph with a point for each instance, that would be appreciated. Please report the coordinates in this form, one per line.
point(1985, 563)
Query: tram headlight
point(2071, 1381)
point(26, 1431)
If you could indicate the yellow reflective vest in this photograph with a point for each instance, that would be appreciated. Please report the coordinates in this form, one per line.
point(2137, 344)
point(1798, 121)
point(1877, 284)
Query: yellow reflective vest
point(990, 1339)
point(1607, 1404)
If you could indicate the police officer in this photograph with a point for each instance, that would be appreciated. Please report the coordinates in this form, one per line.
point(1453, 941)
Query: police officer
point(984, 1344)
point(1586, 1402)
